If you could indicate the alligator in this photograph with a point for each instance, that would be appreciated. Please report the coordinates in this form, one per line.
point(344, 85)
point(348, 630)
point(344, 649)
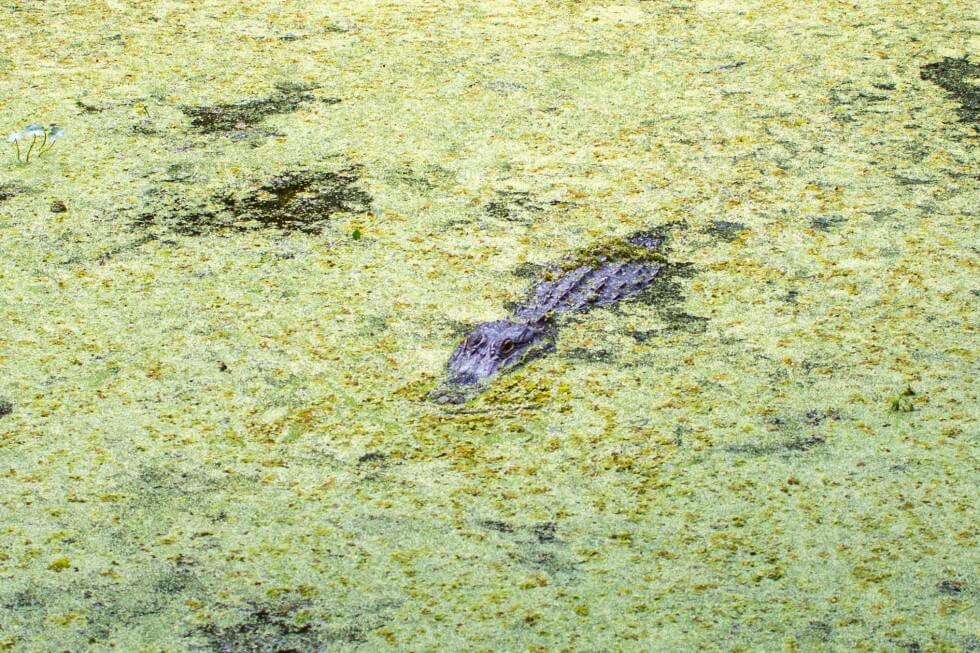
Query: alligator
point(601, 276)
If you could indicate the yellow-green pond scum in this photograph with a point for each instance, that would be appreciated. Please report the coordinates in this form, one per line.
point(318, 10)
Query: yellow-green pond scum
point(279, 219)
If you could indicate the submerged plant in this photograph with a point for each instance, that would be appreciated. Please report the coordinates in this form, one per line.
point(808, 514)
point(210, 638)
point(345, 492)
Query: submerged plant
point(34, 131)
point(15, 139)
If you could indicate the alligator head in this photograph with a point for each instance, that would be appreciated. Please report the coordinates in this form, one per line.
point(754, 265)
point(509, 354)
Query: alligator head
point(495, 346)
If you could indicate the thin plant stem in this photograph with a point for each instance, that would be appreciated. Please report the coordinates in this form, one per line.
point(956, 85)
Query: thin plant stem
point(17, 145)
point(31, 148)
point(41, 149)
point(43, 141)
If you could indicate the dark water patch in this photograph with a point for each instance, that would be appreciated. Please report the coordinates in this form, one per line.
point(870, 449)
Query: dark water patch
point(821, 630)
point(294, 201)
point(423, 180)
point(127, 247)
point(271, 628)
point(950, 586)
point(545, 532)
point(861, 102)
point(6, 408)
point(529, 270)
point(554, 563)
point(157, 486)
point(800, 432)
point(496, 525)
point(912, 181)
point(301, 200)
point(725, 230)
point(415, 181)
point(21, 599)
point(144, 127)
point(115, 606)
point(955, 76)
point(372, 458)
point(7, 191)
point(826, 222)
point(644, 335)
point(881, 214)
point(112, 252)
point(539, 533)
point(666, 300)
point(666, 291)
point(589, 355)
point(240, 115)
point(177, 579)
point(180, 173)
point(538, 547)
point(88, 108)
point(817, 417)
point(794, 445)
point(682, 322)
point(504, 87)
point(513, 206)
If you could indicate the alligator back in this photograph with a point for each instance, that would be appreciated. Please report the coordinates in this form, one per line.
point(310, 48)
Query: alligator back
point(585, 287)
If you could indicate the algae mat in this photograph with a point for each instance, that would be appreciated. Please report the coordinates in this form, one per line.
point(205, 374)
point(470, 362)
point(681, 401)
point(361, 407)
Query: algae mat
point(227, 290)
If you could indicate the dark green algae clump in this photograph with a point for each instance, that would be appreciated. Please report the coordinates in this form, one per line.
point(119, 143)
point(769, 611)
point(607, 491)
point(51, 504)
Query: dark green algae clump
point(955, 77)
point(231, 116)
point(296, 200)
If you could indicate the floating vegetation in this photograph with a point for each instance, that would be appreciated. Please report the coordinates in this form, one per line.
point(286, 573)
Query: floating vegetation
point(240, 115)
point(35, 131)
point(954, 76)
point(902, 403)
point(298, 200)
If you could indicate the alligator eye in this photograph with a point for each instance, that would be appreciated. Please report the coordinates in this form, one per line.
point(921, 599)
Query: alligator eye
point(506, 347)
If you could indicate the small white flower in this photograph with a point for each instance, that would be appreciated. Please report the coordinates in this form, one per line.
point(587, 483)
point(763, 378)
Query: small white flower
point(55, 132)
point(34, 129)
point(13, 138)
